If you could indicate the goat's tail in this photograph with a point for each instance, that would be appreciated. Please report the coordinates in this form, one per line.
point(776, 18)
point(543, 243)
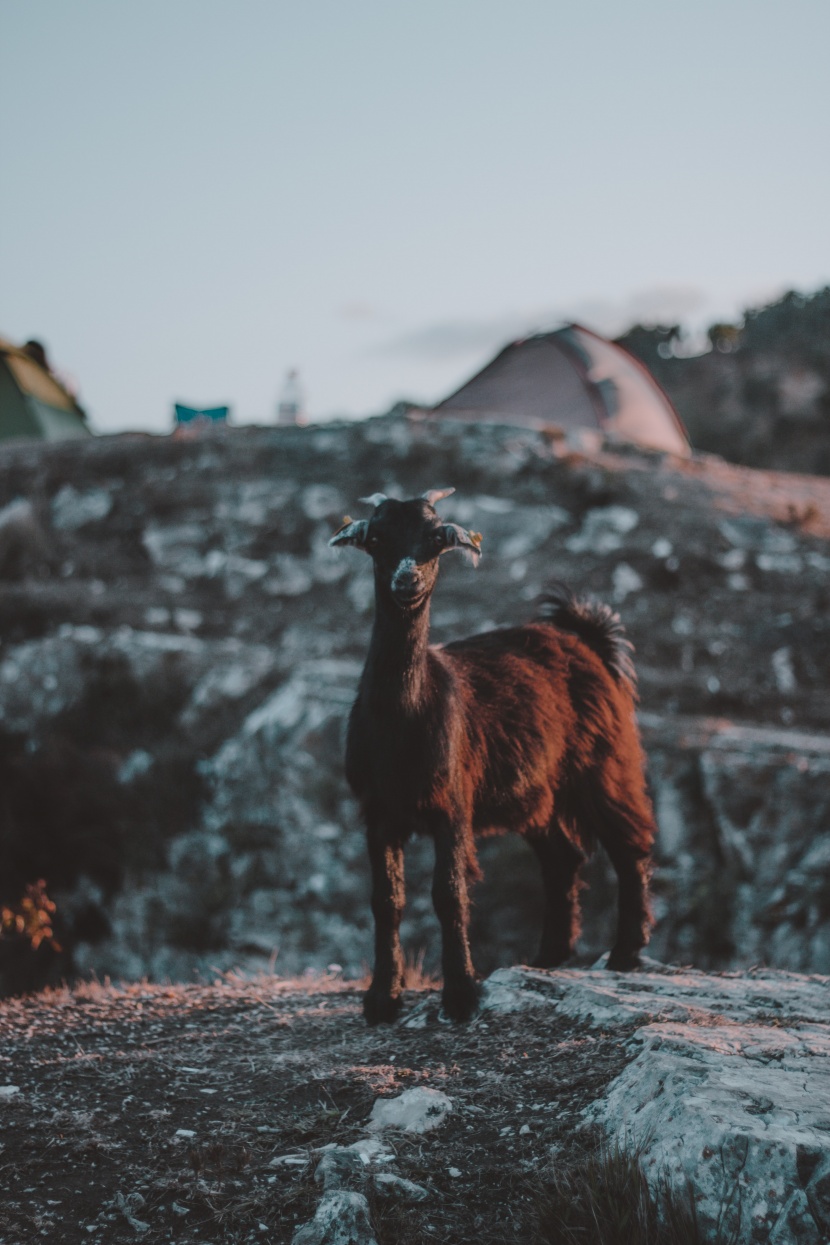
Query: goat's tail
point(598, 625)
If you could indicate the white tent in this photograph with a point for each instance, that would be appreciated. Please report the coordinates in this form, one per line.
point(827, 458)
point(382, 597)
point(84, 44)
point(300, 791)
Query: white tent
point(570, 379)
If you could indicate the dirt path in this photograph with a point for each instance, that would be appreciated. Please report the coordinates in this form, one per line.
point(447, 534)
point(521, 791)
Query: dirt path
point(192, 1113)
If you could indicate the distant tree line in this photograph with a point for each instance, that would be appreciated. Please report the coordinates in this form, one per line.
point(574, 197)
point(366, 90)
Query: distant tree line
point(760, 394)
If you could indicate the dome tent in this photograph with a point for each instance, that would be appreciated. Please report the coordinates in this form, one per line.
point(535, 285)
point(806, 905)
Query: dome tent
point(34, 405)
point(570, 379)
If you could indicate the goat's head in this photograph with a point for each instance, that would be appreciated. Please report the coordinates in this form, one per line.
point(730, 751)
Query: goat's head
point(405, 539)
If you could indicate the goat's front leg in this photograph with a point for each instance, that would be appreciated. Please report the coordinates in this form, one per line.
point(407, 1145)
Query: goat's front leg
point(461, 993)
point(382, 1001)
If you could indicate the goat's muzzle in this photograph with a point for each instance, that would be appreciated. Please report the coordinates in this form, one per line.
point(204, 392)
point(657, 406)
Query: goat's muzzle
point(407, 585)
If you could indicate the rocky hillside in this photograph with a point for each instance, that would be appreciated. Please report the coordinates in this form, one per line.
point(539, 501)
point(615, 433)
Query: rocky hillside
point(180, 647)
point(266, 1111)
point(761, 395)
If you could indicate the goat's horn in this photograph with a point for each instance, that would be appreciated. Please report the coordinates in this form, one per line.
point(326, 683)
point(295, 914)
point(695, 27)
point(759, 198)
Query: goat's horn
point(435, 494)
point(374, 500)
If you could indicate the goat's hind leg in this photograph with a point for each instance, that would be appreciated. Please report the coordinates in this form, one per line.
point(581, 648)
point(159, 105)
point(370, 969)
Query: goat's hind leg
point(634, 921)
point(624, 824)
point(560, 863)
point(382, 1001)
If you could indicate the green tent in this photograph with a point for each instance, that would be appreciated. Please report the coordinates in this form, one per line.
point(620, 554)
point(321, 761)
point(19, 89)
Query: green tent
point(34, 405)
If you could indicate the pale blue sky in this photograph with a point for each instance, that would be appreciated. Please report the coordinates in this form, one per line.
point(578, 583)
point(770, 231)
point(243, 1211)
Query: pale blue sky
point(199, 194)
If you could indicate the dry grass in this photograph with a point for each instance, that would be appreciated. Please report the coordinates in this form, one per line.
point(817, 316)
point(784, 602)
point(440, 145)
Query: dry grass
point(605, 1199)
point(600, 1197)
point(227, 987)
point(416, 976)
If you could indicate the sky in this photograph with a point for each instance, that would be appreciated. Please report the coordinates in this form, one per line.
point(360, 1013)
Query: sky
point(198, 195)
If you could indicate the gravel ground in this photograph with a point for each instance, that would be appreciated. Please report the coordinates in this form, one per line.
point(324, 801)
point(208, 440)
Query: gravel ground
point(193, 1113)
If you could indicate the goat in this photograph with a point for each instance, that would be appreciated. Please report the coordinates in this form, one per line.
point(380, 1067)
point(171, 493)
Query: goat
point(530, 729)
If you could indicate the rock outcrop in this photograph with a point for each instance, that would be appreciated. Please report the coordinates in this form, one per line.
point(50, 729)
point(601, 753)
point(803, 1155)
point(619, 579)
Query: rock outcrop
point(726, 1093)
point(728, 1090)
point(180, 647)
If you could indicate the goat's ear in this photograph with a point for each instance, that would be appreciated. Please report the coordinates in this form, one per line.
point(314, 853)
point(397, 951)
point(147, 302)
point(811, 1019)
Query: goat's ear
point(468, 543)
point(353, 532)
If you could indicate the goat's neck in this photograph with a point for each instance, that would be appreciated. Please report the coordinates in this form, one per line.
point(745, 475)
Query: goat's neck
point(396, 664)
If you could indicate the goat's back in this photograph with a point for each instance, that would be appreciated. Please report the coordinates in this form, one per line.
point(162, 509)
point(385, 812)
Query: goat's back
point(541, 710)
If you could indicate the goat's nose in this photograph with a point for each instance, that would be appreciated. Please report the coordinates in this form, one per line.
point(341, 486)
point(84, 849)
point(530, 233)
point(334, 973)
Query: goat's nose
point(406, 576)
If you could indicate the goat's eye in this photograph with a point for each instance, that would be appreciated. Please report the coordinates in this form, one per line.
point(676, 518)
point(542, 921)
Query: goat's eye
point(438, 541)
point(372, 542)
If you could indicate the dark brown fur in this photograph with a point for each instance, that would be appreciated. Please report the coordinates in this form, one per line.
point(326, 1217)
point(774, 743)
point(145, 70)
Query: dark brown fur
point(529, 729)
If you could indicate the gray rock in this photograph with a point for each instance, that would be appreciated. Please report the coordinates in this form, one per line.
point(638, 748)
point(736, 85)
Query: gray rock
point(72, 509)
point(340, 1168)
point(391, 1186)
point(341, 1218)
point(728, 1089)
point(207, 608)
point(603, 530)
point(416, 1110)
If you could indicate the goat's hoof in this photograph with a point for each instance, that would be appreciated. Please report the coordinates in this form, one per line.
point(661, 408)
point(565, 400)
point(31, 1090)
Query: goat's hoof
point(380, 1008)
point(461, 1002)
point(621, 961)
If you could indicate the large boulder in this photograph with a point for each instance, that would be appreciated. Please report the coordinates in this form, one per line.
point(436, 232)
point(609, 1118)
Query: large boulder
point(728, 1093)
point(180, 647)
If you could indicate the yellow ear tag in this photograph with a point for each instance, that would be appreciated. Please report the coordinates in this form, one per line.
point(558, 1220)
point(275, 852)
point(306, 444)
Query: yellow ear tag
point(476, 538)
point(347, 519)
